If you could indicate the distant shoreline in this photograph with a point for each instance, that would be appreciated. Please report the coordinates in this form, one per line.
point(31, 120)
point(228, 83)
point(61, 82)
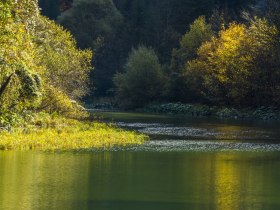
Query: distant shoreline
point(198, 110)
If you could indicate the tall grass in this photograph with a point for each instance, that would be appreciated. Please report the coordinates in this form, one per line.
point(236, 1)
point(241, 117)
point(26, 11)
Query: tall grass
point(66, 134)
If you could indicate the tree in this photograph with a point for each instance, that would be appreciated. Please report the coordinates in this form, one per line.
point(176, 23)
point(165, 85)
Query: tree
point(235, 67)
point(66, 67)
point(19, 80)
point(37, 56)
point(179, 87)
point(160, 24)
point(97, 24)
point(90, 19)
point(263, 39)
point(142, 81)
point(198, 33)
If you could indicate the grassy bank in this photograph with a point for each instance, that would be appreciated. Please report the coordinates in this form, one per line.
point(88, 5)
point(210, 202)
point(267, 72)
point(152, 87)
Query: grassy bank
point(57, 133)
point(197, 110)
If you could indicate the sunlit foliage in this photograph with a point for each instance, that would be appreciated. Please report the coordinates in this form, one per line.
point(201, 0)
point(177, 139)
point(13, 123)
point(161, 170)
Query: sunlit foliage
point(67, 68)
point(237, 65)
point(54, 133)
point(36, 55)
point(199, 32)
point(19, 80)
point(42, 70)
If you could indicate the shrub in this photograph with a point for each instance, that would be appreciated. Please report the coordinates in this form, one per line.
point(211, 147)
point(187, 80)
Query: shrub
point(142, 80)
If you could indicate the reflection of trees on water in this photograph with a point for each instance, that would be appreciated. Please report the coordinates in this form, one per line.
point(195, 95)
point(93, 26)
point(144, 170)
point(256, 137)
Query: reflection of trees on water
point(144, 180)
point(41, 181)
point(238, 182)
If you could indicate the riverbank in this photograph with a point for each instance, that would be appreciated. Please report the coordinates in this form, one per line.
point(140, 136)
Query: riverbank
point(58, 133)
point(197, 110)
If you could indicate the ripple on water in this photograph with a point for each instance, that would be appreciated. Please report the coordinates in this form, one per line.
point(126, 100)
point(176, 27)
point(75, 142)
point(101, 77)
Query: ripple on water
point(208, 138)
point(190, 132)
point(203, 146)
point(178, 131)
point(138, 125)
point(197, 132)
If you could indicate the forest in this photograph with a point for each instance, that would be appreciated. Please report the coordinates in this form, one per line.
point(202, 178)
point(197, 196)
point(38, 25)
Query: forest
point(214, 52)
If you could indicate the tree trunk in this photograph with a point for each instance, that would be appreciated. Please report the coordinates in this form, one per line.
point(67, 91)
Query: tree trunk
point(6, 83)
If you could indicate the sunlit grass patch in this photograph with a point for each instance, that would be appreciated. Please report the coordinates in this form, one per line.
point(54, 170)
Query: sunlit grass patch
point(65, 134)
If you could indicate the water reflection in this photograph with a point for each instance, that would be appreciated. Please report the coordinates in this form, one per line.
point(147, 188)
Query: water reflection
point(140, 180)
point(243, 183)
point(41, 181)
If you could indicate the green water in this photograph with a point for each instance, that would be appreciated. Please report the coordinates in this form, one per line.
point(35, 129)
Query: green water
point(165, 174)
point(139, 180)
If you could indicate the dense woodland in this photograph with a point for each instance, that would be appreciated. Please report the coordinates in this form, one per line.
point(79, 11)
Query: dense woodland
point(209, 51)
point(214, 52)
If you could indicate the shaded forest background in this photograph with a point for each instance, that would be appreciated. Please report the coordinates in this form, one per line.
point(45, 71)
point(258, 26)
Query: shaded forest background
point(206, 51)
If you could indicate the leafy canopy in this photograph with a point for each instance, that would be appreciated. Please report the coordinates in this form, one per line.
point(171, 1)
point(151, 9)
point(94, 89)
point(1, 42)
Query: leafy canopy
point(142, 80)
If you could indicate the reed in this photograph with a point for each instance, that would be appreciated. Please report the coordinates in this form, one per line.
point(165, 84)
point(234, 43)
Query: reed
point(67, 134)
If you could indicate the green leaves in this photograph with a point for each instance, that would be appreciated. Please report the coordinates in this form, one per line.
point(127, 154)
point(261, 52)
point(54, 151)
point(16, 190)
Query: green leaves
point(16, 53)
point(36, 54)
point(5, 12)
point(182, 84)
point(142, 80)
point(91, 19)
point(66, 67)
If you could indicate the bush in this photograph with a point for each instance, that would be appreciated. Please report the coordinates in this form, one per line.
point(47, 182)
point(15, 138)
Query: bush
point(55, 100)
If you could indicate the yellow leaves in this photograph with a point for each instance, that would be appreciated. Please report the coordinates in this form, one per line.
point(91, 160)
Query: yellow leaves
point(235, 32)
point(228, 62)
point(230, 40)
point(223, 51)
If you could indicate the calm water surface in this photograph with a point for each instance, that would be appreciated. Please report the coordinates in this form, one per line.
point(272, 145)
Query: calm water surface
point(189, 164)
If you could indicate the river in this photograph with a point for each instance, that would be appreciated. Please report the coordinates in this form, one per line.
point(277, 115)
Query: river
point(189, 163)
